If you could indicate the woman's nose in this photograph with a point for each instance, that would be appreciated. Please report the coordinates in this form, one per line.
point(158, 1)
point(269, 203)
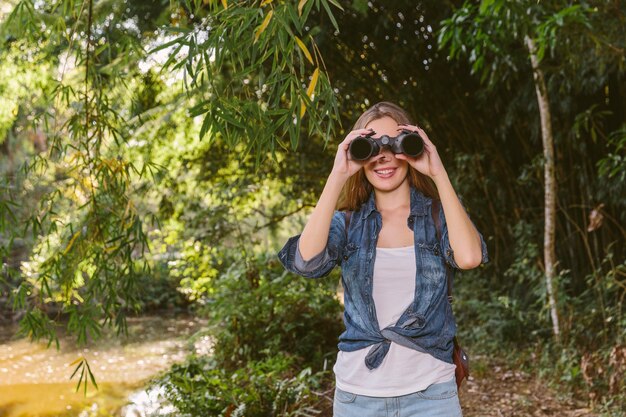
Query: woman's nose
point(386, 153)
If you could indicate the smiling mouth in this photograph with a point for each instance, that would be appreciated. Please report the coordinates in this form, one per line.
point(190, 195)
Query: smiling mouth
point(385, 173)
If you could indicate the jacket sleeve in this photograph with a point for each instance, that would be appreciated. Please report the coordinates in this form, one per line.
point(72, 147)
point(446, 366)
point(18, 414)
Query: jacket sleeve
point(321, 264)
point(448, 253)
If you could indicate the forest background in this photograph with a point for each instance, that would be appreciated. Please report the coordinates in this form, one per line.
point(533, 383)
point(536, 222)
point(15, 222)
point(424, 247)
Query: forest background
point(156, 154)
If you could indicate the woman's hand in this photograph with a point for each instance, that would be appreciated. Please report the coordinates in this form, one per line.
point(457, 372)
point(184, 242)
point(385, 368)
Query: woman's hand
point(344, 167)
point(428, 163)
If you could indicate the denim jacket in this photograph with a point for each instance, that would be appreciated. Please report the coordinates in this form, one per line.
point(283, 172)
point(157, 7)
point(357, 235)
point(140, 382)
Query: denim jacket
point(427, 325)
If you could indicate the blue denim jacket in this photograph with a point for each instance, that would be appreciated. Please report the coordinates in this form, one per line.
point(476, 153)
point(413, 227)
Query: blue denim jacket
point(427, 325)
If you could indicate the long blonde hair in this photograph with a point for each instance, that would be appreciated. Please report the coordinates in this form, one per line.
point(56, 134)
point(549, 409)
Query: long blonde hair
point(357, 189)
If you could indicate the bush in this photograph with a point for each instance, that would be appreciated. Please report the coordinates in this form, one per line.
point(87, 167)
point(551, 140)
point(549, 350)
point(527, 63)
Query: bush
point(510, 320)
point(258, 310)
point(201, 387)
point(274, 335)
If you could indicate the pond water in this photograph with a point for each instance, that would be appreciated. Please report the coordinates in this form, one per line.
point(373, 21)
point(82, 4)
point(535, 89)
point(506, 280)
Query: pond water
point(35, 380)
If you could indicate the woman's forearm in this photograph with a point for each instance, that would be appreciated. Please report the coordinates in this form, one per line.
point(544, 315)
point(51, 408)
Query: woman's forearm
point(464, 238)
point(315, 234)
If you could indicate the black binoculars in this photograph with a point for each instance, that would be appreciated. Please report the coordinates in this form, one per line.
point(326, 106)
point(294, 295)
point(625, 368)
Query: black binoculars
point(407, 142)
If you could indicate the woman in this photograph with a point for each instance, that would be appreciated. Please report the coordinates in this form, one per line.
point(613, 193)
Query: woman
point(395, 356)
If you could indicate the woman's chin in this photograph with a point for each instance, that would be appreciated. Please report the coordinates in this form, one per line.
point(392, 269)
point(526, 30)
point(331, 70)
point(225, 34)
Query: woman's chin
point(388, 184)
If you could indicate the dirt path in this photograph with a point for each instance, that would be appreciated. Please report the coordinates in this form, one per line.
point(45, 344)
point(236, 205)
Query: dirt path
point(502, 392)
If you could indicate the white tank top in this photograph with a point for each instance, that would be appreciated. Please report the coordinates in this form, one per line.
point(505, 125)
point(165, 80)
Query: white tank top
point(403, 370)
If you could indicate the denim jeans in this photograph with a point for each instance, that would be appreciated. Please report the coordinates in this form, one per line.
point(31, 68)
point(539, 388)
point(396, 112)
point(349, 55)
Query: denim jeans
point(438, 400)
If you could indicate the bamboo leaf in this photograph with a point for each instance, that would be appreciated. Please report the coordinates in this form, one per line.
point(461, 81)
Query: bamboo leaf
point(337, 5)
point(179, 40)
point(264, 25)
point(206, 124)
point(313, 83)
point(93, 379)
point(69, 245)
point(80, 359)
point(330, 15)
point(110, 249)
point(301, 6)
point(310, 90)
point(304, 49)
point(80, 378)
point(484, 5)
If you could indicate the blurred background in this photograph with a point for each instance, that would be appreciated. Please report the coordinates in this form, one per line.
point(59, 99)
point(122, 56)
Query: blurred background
point(156, 154)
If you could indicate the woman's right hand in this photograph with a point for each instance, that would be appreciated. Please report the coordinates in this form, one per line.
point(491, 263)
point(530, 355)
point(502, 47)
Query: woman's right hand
point(344, 166)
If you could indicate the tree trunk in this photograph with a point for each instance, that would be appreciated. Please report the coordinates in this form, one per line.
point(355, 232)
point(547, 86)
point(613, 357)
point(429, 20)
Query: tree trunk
point(550, 184)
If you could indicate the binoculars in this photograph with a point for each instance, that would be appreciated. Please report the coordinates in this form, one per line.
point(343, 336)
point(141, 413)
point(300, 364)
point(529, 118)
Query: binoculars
point(407, 142)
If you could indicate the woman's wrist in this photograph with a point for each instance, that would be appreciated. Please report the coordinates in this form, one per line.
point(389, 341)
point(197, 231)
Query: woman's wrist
point(338, 178)
point(440, 178)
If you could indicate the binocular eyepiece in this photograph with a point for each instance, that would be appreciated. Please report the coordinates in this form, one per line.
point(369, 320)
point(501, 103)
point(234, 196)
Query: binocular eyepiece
point(407, 142)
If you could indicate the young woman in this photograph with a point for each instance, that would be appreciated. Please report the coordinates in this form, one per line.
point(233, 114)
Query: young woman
point(395, 356)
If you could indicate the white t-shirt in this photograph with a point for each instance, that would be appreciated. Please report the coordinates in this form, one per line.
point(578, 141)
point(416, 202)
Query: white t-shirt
point(403, 370)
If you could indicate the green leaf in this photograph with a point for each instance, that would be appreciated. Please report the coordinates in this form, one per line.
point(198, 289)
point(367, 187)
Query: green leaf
point(330, 14)
point(485, 5)
point(206, 124)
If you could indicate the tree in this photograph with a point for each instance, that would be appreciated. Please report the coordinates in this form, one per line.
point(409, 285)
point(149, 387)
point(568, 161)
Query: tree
point(90, 235)
point(491, 34)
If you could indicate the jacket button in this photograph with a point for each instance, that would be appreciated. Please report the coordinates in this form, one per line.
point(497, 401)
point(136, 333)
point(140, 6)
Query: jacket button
point(345, 257)
point(411, 220)
point(437, 252)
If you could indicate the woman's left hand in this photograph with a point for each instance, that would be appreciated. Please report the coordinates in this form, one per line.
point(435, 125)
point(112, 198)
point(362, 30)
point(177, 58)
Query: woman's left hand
point(428, 163)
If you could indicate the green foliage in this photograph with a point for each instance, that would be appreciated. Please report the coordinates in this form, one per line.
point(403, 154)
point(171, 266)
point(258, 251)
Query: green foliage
point(258, 309)
point(518, 317)
point(17, 83)
point(161, 150)
point(160, 290)
point(576, 56)
point(269, 387)
point(596, 316)
point(100, 102)
point(195, 270)
point(591, 361)
point(611, 167)
point(84, 263)
point(597, 376)
point(491, 34)
point(510, 316)
point(249, 62)
point(274, 336)
point(83, 378)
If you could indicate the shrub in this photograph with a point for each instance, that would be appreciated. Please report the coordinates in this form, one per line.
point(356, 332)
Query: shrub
point(273, 334)
point(258, 310)
point(201, 387)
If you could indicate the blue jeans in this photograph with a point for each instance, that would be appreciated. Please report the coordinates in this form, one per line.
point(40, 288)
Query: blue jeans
point(438, 400)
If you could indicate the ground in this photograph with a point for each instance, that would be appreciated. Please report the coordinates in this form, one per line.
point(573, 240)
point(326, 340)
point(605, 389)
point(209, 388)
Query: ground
point(498, 391)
